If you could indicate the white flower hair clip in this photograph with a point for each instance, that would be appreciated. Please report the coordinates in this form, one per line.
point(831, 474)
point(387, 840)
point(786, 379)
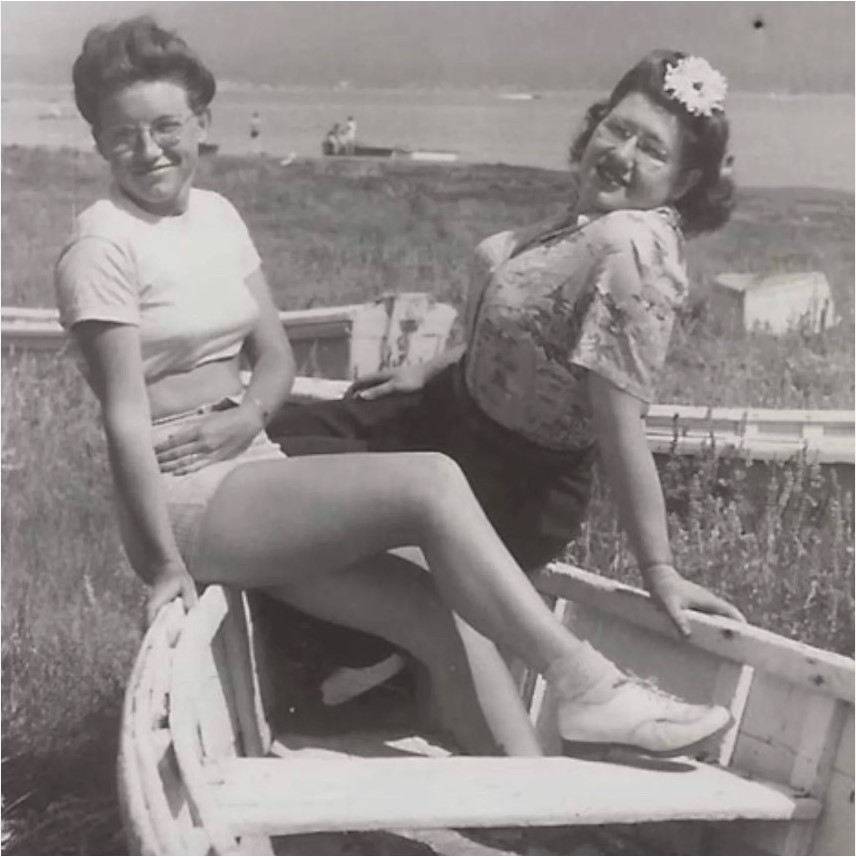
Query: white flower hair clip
point(696, 84)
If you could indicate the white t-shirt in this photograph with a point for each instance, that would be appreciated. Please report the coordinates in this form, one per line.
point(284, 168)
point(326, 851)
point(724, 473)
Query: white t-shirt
point(180, 279)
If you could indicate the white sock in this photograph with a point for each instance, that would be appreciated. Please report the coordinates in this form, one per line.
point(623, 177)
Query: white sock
point(574, 674)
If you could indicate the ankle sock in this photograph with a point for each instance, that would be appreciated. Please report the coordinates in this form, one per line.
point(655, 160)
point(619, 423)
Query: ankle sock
point(579, 671)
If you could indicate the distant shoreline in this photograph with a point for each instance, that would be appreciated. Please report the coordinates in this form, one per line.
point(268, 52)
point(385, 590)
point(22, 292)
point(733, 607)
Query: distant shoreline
point(499, 89)
point(774, 138)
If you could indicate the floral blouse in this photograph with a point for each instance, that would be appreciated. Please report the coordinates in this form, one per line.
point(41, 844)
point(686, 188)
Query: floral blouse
point(600, 296)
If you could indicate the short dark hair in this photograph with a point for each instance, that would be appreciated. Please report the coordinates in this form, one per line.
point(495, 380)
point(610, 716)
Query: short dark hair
point(709, 203)
point(137, 49)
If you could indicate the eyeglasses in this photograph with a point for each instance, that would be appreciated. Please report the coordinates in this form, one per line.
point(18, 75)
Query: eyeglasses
point(164, 132)
point(650, 152)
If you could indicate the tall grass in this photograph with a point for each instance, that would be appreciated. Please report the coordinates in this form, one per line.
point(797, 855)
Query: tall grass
point(71, 615)
point(774, 538)
point(70, 604)
point(781, 547)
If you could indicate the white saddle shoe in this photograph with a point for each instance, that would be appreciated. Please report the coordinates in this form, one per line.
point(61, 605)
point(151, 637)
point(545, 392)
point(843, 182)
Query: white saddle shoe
point(631, 714)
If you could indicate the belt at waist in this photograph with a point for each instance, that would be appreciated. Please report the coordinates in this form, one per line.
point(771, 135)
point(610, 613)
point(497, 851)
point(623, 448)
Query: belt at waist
point(221, 405)
point(163, 427)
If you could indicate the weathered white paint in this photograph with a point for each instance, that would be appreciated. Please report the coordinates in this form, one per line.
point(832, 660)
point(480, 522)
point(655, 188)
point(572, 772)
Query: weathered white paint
point(790, 733)
point(817, 670)
point(243, 672)
point(793, 736)
point(199, 629)
point(765, 434)
point(775, 302)
point(151, 794)
point(271, 796)
point(834, 832)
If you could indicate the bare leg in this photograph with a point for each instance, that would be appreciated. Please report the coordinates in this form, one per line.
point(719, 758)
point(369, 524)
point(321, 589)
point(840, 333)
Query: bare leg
point(499, 697)
point(389, 596)
point(275, 522)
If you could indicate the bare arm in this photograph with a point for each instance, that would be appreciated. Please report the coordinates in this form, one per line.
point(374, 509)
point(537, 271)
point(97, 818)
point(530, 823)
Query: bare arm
point(632, 475)
point(630, 469)
point(112, 354)
point(270, 353)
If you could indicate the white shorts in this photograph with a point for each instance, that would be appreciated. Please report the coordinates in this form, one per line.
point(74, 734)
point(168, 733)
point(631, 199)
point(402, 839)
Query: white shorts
point(188, 495)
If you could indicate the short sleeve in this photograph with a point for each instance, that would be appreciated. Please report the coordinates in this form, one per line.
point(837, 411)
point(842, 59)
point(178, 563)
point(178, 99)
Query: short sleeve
point(95, 281)
point(626, 314)
point(249, 260)
point(493, 251)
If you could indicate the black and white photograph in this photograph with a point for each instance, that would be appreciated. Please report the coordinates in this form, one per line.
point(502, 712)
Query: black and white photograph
point(428, 427)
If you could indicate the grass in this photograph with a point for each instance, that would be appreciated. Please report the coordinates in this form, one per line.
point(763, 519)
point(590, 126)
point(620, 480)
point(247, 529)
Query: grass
point(781, 546)
point(339, 232)
point(71, 614)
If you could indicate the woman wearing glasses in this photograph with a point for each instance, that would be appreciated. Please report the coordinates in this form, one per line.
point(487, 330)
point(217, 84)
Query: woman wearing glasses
point(163, 291)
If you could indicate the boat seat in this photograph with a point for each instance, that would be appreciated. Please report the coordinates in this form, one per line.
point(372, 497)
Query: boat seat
point(399, 782)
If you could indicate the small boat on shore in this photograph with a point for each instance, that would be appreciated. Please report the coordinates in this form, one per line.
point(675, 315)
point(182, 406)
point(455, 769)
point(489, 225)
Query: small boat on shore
point(401, 153)
point(519, 96)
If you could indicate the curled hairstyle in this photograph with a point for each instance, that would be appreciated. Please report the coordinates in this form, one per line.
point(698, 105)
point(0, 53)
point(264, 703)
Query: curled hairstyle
point(117, 55)
point(709, 203)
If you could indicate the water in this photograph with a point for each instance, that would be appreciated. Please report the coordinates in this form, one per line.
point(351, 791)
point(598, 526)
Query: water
point(797, 140)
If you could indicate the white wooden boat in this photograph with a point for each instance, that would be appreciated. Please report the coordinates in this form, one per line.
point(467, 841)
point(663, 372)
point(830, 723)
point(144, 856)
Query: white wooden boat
point(201, 770)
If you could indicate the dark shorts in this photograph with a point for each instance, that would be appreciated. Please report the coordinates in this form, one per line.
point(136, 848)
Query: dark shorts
point(536, 498)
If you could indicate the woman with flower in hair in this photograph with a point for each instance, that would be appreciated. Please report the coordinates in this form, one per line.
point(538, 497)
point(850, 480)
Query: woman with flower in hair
point(566, 331)
point(162, 289)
